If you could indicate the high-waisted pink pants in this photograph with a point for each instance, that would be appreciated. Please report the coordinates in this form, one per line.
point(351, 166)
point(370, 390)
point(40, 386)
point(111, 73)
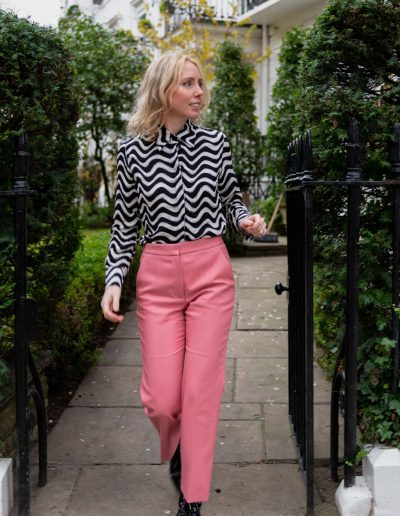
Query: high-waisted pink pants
point(185, 297)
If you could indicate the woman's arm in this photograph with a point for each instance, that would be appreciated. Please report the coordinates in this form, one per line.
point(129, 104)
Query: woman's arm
point(124, 231)
point(237, 214)
point(126, 224)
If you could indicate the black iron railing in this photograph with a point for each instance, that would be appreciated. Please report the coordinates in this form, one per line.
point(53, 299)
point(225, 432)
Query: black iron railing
point(299, 201)
point(300, 188)
point(25, 323)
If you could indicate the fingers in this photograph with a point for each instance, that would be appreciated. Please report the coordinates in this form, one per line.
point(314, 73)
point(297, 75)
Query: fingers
point(256, 225)
point(110, 304)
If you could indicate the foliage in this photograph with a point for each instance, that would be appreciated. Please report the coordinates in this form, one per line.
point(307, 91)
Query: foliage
point(190, 28)
point(232, 110)
point(38, 93)
point(95, 216)
point(266, 207)
point(350, 67)
point(77, 316)
point(281, 116)
point(108, 68)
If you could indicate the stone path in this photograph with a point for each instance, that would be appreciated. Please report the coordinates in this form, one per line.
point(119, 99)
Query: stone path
point(104, 452)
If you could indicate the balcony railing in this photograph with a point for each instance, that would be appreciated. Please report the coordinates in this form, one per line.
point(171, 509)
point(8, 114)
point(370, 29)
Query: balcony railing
point(248, 5)
point(196, 11)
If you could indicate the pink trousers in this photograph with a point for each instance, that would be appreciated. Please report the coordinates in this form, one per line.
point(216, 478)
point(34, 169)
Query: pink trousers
point(185, 297)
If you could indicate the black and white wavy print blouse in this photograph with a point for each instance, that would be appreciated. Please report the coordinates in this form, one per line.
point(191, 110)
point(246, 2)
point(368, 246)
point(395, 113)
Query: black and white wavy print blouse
point(180, 187)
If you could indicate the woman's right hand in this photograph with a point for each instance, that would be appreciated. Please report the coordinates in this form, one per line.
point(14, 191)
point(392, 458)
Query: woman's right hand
point(110, 304)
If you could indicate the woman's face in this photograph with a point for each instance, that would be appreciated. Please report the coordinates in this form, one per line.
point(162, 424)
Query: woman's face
point(187, 99)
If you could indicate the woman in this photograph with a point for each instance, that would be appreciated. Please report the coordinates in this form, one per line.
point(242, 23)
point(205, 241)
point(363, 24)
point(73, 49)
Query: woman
point(175, 178)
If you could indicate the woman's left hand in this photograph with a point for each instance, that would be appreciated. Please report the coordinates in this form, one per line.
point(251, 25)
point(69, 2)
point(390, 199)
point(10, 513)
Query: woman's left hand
point(255, 225)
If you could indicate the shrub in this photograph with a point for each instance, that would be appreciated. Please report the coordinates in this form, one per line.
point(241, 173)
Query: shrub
point(108, 65)
point(37, 92)
point(281, 116)
point(77, 316)
point(232, 110)
point(349, 67)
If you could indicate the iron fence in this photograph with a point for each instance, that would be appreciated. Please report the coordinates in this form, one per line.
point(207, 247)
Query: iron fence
point(25, 330)
point(301, 187)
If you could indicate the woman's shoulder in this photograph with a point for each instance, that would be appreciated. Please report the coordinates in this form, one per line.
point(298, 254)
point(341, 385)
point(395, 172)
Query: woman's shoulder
point(209, 132)
point(132, 143)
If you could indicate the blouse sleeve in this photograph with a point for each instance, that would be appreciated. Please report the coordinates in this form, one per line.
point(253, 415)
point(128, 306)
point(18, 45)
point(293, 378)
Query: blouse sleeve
point(126, 224)
point(230, 194)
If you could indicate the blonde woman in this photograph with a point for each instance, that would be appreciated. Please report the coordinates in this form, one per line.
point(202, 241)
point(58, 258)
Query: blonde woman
point(175, 179)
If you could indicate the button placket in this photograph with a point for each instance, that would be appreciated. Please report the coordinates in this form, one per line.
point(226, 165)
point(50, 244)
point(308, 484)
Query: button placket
point(180, 171)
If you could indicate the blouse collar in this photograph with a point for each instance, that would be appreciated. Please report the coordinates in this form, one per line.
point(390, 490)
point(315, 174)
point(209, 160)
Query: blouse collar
point(185, 135)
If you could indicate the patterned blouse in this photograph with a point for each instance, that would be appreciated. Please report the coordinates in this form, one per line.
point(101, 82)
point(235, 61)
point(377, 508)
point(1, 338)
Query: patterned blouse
point(179, 187)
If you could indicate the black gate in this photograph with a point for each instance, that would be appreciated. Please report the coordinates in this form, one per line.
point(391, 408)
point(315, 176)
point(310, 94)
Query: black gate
point(25, 318)
point(300, 188)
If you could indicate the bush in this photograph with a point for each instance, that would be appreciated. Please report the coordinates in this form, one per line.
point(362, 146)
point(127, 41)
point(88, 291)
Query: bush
point(77, 317)
point(37, 92)
point(266, 207)
point(95, 216)
point(232, 110)
point(281, 116)
point(349, 68)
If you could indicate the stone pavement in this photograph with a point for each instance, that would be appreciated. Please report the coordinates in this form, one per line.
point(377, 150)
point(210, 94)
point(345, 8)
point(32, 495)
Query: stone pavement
point(104, 452)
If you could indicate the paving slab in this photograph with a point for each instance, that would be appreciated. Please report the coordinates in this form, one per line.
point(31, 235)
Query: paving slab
point(279, 442)
point(250, 264)
point(262, 380)
point(229, 380)
point(278, 434)
point(109, 386)
point(256, 490)
point(257, 343)
point(128, 329)
point(261, 309)
point(131, 490)
point(86, 435)
point(121, 352)
point(239, 441)
point(262, 279)
point(322, 434)
point(322, 387)
point(240, 411)
point(52, 499)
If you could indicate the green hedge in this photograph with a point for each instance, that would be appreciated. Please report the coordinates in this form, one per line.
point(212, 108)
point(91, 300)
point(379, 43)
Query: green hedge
point(37, 92)
point(348, 67)
point(349, 58)
point(77, 318)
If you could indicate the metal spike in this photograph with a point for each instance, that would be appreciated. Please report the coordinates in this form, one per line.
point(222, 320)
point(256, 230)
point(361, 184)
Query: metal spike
point(308, 164)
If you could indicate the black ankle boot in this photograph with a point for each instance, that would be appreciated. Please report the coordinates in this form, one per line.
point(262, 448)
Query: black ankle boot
point(188, 508)
point(175, 468)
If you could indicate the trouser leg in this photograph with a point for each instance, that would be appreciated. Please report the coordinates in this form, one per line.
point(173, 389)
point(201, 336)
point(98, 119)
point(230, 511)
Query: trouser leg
point(208, 321)
point(161, 325)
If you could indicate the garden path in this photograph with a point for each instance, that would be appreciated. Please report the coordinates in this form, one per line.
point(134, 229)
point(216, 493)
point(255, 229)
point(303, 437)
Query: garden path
point(104, 454)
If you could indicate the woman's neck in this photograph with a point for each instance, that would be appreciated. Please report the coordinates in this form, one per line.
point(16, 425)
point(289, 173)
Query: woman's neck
point(175, 125)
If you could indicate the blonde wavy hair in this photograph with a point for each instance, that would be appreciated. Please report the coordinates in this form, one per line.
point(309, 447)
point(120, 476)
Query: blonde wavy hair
point(153, 101)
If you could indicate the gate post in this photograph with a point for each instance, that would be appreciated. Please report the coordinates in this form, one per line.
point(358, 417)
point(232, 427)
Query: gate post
point(24, 329)
point(352, 315)
point(20, 186)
